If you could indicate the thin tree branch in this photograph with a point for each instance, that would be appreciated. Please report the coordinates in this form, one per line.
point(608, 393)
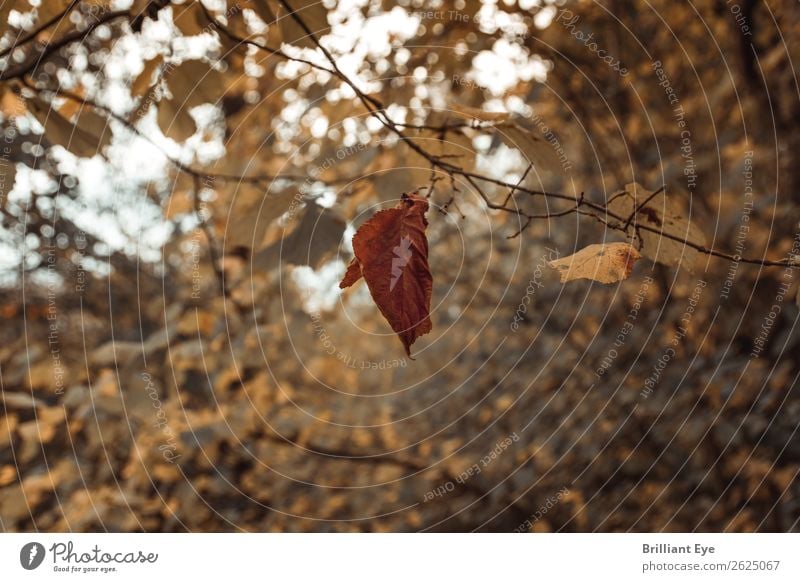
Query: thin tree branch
point(30, 64)
point(38, 30)
point(185, 168)
point(377, 110)
point(213, 249)
point(642, 205)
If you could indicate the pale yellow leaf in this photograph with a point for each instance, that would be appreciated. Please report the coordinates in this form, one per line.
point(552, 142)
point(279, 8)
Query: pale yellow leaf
point(604, 263)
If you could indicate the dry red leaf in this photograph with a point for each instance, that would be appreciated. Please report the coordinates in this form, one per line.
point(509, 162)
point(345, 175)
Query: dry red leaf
point(391, 253)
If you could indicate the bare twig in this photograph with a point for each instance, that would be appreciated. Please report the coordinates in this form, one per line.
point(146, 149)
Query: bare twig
point(213, 249)
point(29, 65)
point(517, 185)
point(377, 110)
point(185, 168)
point(642, 205)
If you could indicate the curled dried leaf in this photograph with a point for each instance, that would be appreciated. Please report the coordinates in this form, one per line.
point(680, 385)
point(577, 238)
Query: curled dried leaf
point(604, 263)
point(391, 253)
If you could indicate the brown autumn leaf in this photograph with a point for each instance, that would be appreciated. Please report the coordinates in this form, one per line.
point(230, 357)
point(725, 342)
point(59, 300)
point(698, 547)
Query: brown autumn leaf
point(659, 212)
point(263, 11)
point(195, 82)
point(604, 263)
point(190, 18)
point(251, 212)
point(191, 83)
point(175, 121)
point(5, 10)
point(531, 144)
point(146, 79)
point(317, 235)
point(11, 105)
point(85, 136)
point(46, 11)
point(391, 253)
